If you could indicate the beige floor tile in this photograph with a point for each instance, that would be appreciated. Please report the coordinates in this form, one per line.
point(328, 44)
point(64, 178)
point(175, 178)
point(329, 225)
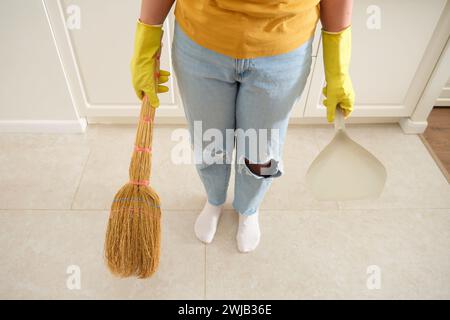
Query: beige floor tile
point(107, 170)
point(289, 191)
point(318, 254)
point(38, 246)
point(413, 178)
point(178, 183)
point(40, 171)
point(309, 249)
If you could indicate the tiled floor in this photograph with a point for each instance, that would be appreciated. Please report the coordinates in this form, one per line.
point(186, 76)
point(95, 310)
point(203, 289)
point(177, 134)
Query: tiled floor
point(55, 192)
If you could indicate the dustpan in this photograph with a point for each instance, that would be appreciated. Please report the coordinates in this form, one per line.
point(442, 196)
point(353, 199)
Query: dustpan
point(344, 170)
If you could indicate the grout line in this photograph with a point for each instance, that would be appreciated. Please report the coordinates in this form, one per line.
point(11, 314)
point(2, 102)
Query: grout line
point(81, 177)
point(261, 210)
point(51, 209)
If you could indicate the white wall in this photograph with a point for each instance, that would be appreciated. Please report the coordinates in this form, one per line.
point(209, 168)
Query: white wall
point(33, 88)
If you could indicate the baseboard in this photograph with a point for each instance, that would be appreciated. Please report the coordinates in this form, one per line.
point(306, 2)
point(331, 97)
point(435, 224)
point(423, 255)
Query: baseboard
point(442, 102)
point(412, 127)
point(166, 120)
point(43, 126)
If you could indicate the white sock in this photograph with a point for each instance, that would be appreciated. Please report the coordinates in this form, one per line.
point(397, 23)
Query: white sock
point(248, 234)
point(206, 223)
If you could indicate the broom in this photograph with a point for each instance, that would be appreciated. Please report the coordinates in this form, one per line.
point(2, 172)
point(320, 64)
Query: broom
point(133, 236)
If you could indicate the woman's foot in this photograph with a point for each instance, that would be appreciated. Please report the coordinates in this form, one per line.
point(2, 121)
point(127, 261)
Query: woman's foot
point(206, 223)
point(248, 234)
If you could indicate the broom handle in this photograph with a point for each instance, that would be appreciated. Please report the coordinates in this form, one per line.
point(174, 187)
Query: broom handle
point(339, 122)
point(140, 165)
point(141, 160)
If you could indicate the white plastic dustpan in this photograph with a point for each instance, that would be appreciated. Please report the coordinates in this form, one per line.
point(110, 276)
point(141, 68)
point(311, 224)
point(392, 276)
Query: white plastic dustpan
point(344, 170)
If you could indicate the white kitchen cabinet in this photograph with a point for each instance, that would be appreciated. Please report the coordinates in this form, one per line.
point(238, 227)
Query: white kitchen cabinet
point(386, 55)
point(391, 42)
point(299, 107)
point(97, 55)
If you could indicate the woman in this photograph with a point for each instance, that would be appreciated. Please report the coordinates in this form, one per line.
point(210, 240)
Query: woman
point(240, 66)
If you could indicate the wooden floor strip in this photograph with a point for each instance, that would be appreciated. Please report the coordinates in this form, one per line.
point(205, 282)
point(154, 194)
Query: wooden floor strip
point(436, 138)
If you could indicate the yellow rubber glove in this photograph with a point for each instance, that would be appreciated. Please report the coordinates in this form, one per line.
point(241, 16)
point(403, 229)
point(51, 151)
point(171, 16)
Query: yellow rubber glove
point(145, 72)
point(336, 58)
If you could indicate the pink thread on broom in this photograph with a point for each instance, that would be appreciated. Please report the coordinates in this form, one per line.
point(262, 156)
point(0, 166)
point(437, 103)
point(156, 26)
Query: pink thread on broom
point(139, 183)
point(147, 119)
point(142, 149)
point(137, 148)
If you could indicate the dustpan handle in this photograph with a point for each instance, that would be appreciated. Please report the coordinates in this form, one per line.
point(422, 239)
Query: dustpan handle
point(339, 122)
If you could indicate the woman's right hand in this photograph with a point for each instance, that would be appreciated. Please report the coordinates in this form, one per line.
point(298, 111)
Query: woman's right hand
point(145, 71)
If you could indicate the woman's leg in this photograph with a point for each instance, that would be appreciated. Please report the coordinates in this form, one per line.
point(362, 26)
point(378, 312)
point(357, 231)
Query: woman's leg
point(208, 91)
point(269, 87)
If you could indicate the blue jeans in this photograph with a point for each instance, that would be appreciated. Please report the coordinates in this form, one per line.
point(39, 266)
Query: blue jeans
point(228, 102)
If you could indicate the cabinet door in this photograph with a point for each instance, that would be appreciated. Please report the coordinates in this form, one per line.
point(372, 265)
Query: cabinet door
point(299, 107)
point(389, 41)
point(100, 46)
point(97, 54)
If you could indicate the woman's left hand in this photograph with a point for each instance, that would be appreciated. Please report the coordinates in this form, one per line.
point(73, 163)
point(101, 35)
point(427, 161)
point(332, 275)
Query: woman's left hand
point(339, 89)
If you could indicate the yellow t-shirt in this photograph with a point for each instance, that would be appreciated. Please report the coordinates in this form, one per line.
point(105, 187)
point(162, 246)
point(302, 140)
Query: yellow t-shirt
point(248, 28)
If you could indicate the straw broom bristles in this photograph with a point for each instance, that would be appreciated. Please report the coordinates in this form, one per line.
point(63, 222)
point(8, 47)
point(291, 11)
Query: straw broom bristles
point(133, 236)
